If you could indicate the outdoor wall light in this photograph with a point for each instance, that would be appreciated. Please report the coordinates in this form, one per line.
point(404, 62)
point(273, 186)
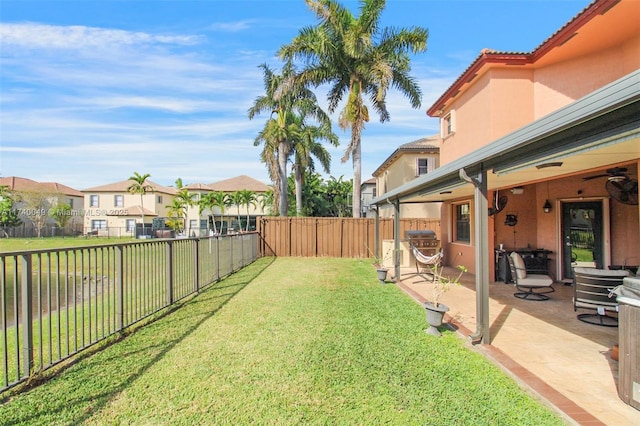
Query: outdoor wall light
point(517, 190)
point(547, 207)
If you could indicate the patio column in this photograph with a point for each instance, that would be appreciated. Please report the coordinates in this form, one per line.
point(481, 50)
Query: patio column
point(481, 238)
point(396, 239)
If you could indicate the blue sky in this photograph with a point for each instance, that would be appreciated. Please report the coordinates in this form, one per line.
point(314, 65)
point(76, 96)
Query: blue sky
point(91, 91)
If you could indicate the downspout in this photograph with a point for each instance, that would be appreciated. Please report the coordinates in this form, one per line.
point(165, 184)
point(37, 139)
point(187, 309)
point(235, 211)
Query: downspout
point(481, 235)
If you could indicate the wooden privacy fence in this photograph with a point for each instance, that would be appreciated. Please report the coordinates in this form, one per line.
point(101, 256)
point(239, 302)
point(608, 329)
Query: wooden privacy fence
point(330, 236)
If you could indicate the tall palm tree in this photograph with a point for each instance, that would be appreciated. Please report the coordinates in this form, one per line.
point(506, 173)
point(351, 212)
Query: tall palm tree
point(283, 97)
point(358, 58)
point(306, 146)
point(140, 186)
point(184, 198)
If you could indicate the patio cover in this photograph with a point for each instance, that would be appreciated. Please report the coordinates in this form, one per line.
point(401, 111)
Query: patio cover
point(597, 130)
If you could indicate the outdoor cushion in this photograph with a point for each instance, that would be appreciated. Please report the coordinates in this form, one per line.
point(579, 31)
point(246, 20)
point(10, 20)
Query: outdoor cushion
point(521, 270)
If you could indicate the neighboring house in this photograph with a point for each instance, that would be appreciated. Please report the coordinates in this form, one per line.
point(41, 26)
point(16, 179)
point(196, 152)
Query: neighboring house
point(542, 141)
point(368, 191)
point(111, 210)
point(408, 162)
point(37, 200)
point(230, 186)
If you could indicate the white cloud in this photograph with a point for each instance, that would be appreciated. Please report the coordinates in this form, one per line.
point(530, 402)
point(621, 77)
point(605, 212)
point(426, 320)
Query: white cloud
point(77, 37)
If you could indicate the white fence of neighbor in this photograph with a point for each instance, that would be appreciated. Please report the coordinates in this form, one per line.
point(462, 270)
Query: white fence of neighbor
point(55, 303)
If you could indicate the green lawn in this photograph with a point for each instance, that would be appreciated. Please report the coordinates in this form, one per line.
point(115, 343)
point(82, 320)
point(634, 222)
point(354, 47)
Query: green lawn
point(284, 341)
point(15, 244)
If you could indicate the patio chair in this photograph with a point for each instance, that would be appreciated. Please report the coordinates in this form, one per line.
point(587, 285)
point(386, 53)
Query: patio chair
point(592, 289)
point(529, 286)
point(425, 261)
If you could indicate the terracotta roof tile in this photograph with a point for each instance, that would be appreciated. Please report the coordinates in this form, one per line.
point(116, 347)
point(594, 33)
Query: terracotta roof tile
point(124, 184)
point(238, 183)
point(22, 184)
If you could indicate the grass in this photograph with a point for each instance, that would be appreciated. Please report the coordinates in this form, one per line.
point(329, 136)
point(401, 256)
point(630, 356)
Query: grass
point(16, 244)
point(284, 341)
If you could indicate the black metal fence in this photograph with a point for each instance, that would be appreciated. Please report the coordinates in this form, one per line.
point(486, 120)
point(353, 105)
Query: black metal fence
point(56, 303)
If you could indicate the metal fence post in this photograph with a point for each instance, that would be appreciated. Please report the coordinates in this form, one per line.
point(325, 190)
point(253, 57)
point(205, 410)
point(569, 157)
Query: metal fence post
point(27, 314)
point(169, 271)
point(119, 287)
point(196, 265)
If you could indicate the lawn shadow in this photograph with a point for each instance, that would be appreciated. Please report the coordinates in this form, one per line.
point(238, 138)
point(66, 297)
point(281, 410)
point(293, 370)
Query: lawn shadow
point(87, 386)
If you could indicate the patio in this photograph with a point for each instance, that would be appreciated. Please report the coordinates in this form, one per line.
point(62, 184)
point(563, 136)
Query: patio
point(544, 346)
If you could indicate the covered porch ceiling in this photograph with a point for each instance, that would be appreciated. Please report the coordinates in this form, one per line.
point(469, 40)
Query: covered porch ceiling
point(596, 132)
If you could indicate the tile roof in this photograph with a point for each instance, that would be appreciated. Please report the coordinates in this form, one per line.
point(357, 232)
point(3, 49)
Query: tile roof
point(124, 184)
point(494, 56)
point(238, 183)
point(15, 183)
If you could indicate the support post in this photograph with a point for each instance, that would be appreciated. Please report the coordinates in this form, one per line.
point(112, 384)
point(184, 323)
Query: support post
point(27, 314)
point(481, 237)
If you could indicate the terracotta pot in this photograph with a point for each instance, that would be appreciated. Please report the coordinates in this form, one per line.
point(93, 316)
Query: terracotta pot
point(614, 352)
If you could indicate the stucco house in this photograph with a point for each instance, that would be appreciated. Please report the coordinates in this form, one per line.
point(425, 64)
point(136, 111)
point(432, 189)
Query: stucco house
point(406, 163)
point(368, 191)
point(36, 199)
point(111, 210)
point(535, 145)
point(230, 218)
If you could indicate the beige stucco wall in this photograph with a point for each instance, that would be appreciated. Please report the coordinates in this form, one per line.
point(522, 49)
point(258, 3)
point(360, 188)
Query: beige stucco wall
point(561, 83)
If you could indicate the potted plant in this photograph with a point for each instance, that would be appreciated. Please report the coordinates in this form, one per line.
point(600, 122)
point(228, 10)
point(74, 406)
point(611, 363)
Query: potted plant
point(434, 308)
point(378, 263)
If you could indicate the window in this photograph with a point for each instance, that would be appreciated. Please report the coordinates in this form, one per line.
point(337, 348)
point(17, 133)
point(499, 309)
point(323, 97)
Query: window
point(93, 201)
point(462, 217)
point(131, 225)
point(374, 192)
point(70, 202)
point(159, 199)
point(448, 124)
point(99, 224)
point(118, 201)
point(193, 223)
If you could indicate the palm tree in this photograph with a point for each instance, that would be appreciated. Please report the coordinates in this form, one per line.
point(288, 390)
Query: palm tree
point(356, 57)
point(236, 199)
point(140, 186)
point(222, 200)
point(247, 198)
point(283, 97)
point(207, 201)
point(184, 198)
point(305, 147)
point(177, 211)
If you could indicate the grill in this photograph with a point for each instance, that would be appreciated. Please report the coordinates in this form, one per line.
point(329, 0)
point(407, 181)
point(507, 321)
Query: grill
point(425, 240)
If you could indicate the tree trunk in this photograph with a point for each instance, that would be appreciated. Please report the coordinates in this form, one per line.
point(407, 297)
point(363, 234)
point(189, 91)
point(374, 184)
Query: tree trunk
point(356, 130)
point(298, 179)
point(282, 170)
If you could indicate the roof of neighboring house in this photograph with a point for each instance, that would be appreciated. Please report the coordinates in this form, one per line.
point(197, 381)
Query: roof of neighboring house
point(427, 145)
point(15, 183)
point(124, 184)
point(131, 211)
point(198, 186)
point(371, 181)
point(550, 47)
point(239, 183)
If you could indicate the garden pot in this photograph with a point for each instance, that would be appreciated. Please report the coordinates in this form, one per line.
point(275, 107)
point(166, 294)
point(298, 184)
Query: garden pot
point(382, 275)
point(434, 317)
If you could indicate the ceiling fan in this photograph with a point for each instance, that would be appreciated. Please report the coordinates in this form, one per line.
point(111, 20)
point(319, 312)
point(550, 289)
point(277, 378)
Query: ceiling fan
point(624, 190)
point(615, 173)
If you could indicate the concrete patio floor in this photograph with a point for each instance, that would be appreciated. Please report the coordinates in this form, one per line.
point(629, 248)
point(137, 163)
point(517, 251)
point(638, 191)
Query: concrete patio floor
point(541, 344)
